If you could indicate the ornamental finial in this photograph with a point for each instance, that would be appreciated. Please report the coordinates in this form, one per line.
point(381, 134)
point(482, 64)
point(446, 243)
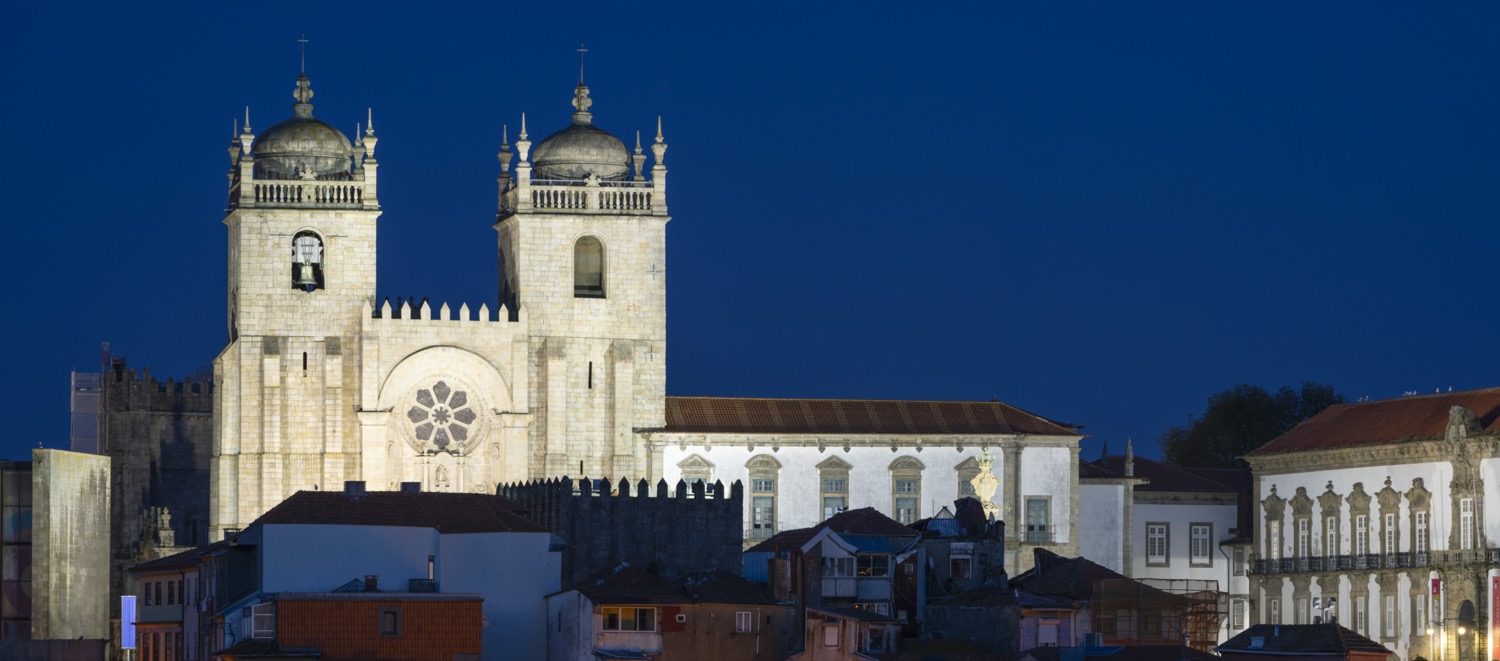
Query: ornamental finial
point(581, 104)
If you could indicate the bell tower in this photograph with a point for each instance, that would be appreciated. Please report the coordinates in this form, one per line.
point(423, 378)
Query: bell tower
point(301, 221)
point(582, 242)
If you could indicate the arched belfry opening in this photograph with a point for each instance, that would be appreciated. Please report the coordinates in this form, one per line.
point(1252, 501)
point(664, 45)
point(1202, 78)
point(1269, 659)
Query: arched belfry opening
point(307, 261)
point(588, 268)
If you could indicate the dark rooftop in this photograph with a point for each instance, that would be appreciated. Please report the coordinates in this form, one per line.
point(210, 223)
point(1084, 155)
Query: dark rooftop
point(862, 521)
point(1301, 638)
point(448, 513)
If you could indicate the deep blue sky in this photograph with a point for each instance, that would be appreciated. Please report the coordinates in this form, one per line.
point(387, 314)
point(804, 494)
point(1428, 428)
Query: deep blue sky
point(1100, 212)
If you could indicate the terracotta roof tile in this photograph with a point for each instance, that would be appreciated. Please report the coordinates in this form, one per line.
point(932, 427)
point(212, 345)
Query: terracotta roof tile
point(1386, 421)
point(852, 416)
point(448, 513)
point(188, 558)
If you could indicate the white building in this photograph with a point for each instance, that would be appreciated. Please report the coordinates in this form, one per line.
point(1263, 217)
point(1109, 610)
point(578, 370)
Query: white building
point(1183, 530)
point(421, 543)
point(1374, 513)
point(323, 382)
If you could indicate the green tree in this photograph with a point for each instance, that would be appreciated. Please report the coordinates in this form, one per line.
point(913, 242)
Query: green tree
point(1242, 419)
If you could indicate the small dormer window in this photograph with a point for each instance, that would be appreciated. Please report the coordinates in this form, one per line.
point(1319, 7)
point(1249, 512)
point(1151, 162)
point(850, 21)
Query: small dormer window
point(307, 261)
point(588, 268)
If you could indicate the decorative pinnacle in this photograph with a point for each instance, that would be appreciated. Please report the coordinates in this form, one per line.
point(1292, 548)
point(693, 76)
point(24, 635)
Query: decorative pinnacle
point(581, 104)
point(247, 119)
point(658, 129)
point(523, 126)
point(637, 142)
point(303, 94)
point(370, 122)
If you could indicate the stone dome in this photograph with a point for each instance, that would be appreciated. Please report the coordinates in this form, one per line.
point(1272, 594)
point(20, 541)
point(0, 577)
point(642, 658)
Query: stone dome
point(301, 147)
point(581, 149)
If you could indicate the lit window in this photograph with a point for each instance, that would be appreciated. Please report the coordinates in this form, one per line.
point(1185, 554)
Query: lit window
point(1273, 539)
point(874, 565)
point(627, 618)
point(588, 268)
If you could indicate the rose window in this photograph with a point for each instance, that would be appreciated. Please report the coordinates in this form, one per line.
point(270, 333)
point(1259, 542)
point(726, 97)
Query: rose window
point(442, 416)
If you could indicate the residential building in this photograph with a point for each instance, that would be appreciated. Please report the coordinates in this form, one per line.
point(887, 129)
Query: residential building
point(167, 598)
point(1119, 653)
point(363, 626)
point(1301, 642)
point(858, 559)
point(626, 613)
point(836, 633)
point(396, 549)
point(1374, 513)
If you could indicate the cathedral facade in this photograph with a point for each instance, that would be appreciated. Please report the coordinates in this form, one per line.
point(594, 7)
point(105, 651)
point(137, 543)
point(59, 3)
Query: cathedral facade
point(323, 382)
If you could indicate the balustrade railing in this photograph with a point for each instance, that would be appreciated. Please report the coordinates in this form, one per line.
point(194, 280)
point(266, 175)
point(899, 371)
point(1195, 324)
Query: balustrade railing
point(302, 193)
point(629, 197)
point(1371, 561)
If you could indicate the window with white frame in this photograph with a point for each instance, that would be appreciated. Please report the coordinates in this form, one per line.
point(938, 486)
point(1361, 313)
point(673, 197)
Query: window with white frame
point(966, 471)
point(1388, 622)
point(742, 622)
point(838, 567)
point(906, 489)
point(1361, 535)
point(873, 565)
point(763, 473)
point(696, 469)
point(1237, 614)
point(1200, 538)
point(1330, 536)
point(1419, 532)
point(1419, 615)
point(1156, 544)
point(627, 618)
point(1466, 523)
point(1238, 560)
point(1273, 540)
point(1304, 537)
point(1300, 617)
point(1273, 611)
point(1390, 534)
point(260, 620)
point(833, 474)
point(1038, 519)
point(1360, 623)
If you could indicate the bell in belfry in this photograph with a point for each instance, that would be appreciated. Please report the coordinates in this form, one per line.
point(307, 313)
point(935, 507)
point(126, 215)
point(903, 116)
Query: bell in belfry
point(305, 276)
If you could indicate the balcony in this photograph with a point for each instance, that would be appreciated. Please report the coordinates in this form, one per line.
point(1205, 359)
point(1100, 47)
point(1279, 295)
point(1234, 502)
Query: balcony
point(1037, 534)
point(1374, 561)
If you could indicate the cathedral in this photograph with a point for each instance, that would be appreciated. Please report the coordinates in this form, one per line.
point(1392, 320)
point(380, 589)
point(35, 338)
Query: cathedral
point(324, 382)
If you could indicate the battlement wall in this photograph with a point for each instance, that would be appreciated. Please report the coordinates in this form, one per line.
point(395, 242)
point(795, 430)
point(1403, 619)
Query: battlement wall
point(671, 532)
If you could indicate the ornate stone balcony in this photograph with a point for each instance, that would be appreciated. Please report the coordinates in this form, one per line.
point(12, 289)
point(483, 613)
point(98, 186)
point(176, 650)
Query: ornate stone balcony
point(590, 196)
point(353, 193)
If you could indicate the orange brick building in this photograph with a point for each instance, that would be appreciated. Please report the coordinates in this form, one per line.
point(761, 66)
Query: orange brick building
point(369, 626)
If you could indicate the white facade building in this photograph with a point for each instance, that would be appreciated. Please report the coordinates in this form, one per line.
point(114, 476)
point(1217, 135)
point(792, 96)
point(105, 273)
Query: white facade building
point(1374, 513)
point(323, 382)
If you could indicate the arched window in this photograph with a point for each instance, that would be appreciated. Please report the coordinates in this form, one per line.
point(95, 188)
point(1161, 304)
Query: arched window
point(906, 489)
point(307, 261)
point(763, 485)
point(833, 474)
point(588, 268)
point(696, 469)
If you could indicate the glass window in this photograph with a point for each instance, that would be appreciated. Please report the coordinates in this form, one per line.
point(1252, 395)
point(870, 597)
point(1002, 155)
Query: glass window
point(767, 485)
point(1466, 523)
point(1389, 620)
point(1237, 614)
point(1273, 539)
point(742, 621)
point(1201, 543)
point(838, 567)
point(762, 517)
point(1304, 538)
point(961, 568)
point(874, 565)
point(1273, 608)
point(1038, 520)
point(1156, 543)
point(627, 618)
point(1239, 560)
point(588, 268)
point(1419, 543)
point(264, 621)
point(1390, 534)
point(906, 510)
point(1330, 536)
point(833, 486)
point(1361, 535)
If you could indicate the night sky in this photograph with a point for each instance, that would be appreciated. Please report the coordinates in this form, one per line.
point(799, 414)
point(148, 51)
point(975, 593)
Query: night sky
point(1099, 212)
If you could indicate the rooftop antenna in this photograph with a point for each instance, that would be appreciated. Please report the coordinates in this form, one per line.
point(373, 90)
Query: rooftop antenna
point(303, 41)
point(581, 52)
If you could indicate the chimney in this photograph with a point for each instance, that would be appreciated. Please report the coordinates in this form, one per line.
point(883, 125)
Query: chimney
point(372, 583)
point(354, 487)
point(411, 487)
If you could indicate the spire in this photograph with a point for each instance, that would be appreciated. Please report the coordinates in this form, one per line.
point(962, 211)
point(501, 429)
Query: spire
point(504, 154)
point(581, 103)
point(659, 148)
point(1103, 451)
point(1129, 457)
point(303, 65)
point(581, 52)
point(370, 121)
point(639, 158)
point(247, 119)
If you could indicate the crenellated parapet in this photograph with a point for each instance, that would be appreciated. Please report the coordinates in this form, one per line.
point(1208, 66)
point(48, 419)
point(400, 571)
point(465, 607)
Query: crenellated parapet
point(408, 310)
point(608, 523)
point(124, 389)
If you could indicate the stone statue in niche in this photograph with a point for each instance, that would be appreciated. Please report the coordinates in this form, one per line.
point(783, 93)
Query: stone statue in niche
point(440, 479)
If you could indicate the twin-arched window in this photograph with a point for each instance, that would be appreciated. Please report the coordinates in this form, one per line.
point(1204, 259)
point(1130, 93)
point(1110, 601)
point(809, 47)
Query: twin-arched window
point(588, 268)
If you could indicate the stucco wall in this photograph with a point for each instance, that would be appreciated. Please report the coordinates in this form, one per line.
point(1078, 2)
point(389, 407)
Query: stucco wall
point(1101, 521)
point(514, 572)
point(70, 545)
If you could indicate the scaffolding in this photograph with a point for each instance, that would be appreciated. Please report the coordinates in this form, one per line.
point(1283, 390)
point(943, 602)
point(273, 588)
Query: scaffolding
point(1158, 611)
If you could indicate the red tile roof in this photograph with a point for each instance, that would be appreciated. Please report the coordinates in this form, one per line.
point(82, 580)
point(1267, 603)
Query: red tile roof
point(852, 416)
point(1386, 421)
point(448, 513)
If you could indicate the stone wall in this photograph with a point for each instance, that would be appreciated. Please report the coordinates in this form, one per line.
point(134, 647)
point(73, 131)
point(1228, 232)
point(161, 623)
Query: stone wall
point(70, 576)
point(670, 533)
